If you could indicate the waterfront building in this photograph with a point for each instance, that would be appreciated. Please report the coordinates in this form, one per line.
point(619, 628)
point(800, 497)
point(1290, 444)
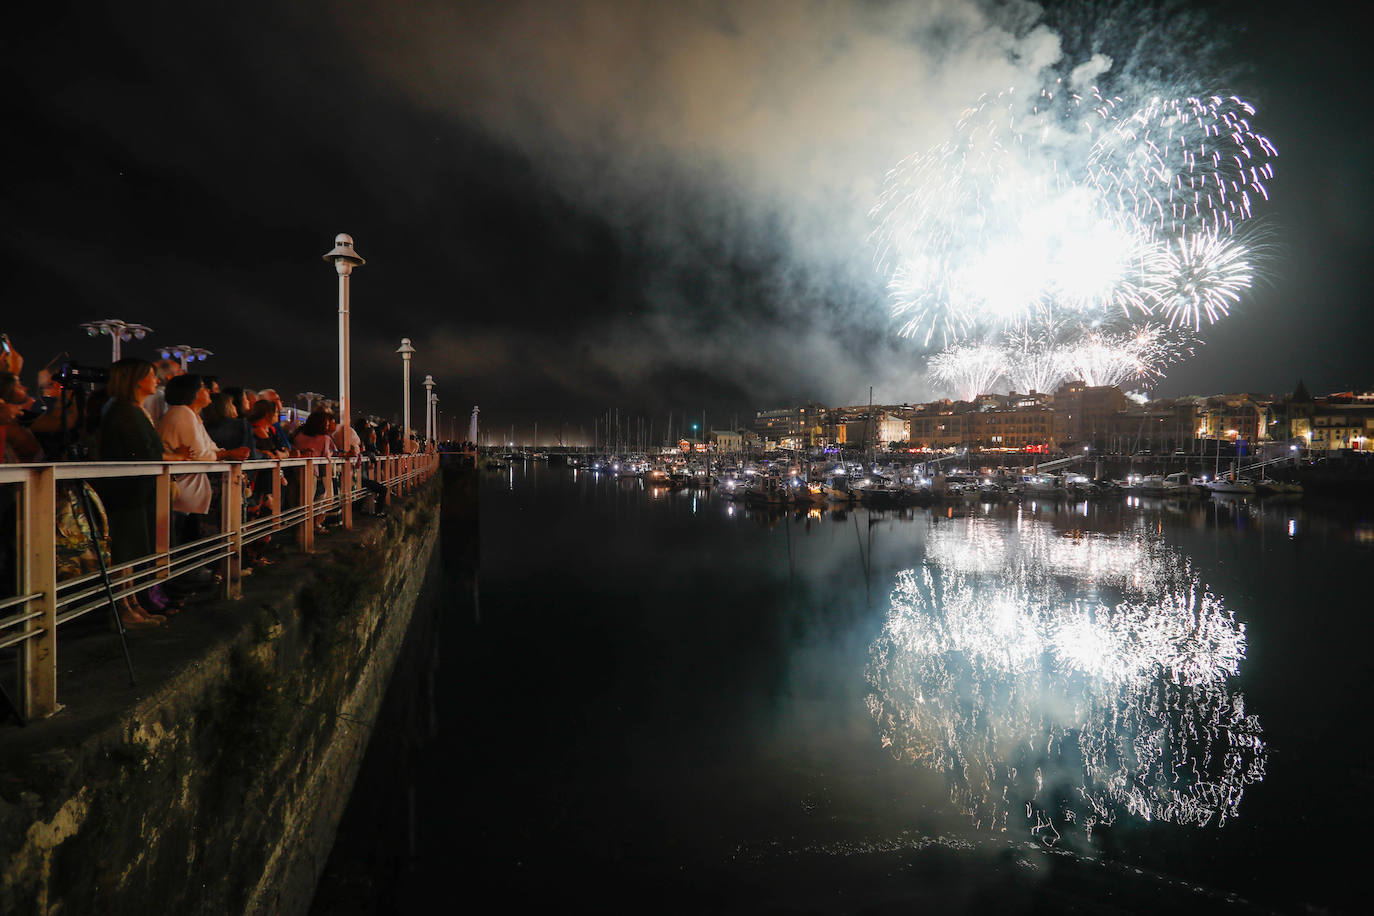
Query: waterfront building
point(892, 428)
point(1010, 426)
point(938, 425)
point(1152, 428)
point(1235, 417)
point(1342, 421)
point(727, 440)
point(792, 427)
point(1086, 413)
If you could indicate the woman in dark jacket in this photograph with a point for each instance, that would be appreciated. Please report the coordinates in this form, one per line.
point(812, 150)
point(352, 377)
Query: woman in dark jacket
point(127, 434)
point(226, 425)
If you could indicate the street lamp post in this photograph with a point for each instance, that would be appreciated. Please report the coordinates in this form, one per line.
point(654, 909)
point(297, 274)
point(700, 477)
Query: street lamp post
point(406, 350)
point(310, 398)
point(344, 259)
point(118, 330)
point(429, 405)
point(185, 354)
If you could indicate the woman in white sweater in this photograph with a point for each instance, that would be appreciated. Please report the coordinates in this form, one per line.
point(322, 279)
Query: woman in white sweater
point(180, 427)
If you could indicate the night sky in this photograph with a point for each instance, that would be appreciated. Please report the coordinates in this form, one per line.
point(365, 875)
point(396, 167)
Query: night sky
point(571, 207)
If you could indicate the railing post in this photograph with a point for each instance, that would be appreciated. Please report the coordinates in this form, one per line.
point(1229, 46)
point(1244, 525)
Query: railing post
point(307, 532)
point(38, 656)
point(276, 496)
point(162, 522)
point(328, 496)
point(346, 484)
point(231, 524)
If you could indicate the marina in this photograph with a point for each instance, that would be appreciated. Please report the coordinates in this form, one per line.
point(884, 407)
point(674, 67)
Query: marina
point(792, 480)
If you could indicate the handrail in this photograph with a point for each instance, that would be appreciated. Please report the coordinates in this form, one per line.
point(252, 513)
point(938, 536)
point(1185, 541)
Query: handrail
point(29, 620)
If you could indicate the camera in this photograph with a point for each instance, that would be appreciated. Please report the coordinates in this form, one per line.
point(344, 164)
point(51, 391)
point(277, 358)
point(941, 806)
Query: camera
point(75, 375)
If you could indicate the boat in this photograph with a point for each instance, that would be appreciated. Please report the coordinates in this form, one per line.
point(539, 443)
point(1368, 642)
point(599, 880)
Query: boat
point(767, 491)
point(1040, 486)
point(1180, 486)
point(1148, 485)
point(1229, 486)
point(837, 490)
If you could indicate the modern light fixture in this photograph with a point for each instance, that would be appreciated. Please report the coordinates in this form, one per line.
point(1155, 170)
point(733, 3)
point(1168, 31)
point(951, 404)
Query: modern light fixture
point(119, 332)
point(344, 259)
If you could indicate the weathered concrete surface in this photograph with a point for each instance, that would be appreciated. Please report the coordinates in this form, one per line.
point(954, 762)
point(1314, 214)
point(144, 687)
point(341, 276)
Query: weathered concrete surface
point(216, 784)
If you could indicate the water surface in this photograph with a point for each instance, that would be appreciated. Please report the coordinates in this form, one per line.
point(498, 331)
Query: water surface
point(659, 699)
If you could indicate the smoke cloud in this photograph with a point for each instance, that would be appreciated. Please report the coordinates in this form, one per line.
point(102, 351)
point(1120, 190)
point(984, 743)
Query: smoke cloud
point(735, 148)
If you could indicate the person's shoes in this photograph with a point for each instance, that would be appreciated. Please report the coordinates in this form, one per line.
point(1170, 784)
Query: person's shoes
point(134, 617)
point(137, 623)
point(152, 606)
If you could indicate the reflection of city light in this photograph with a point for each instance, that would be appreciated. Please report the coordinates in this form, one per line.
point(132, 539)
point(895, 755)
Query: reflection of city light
point(1085, 677)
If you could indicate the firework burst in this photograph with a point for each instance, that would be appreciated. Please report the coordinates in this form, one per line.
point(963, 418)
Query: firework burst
point(968, 371)
point(1079, 212)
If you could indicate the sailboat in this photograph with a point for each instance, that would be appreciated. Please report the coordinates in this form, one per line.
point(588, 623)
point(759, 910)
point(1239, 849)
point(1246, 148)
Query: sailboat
point(1230, 484)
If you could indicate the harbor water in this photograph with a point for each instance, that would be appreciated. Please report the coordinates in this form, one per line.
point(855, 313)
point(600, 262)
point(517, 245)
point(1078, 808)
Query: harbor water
point(636, 698)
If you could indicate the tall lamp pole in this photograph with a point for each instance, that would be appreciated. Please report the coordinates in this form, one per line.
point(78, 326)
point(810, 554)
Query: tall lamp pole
point(406, 351)
point(119, 331)
point(311, 398)
point(429, 406)
point(185, 354)
point(344, 259)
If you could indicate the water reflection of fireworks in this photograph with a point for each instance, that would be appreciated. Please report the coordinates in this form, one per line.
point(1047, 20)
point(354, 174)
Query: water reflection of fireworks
point(1087, 678)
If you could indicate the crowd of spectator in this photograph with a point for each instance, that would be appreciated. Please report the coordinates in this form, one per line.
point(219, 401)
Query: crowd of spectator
point(157, 411)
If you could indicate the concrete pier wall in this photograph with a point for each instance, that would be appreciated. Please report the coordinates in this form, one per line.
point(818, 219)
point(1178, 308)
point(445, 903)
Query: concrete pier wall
point(216, 785)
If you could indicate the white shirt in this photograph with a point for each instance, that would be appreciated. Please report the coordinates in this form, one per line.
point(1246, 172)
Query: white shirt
point(354, 443)
point(180, 426)
point(155, 405)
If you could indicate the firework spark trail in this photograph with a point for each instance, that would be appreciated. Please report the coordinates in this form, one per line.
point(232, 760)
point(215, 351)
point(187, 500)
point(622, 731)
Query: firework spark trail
point(1104, 358)
point(1035, 361)
point(968, 370)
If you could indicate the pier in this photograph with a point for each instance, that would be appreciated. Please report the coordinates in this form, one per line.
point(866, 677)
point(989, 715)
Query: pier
point(213, 778)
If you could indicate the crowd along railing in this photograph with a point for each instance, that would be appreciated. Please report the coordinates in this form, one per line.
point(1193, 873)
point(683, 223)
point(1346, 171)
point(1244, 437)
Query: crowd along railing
point(37, 603)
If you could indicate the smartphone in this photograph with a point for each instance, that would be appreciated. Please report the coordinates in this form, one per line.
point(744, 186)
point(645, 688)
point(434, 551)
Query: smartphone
point(4, 344)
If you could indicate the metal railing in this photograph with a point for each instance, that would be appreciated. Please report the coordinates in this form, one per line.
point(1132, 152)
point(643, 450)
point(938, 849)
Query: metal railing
point(29, 620)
